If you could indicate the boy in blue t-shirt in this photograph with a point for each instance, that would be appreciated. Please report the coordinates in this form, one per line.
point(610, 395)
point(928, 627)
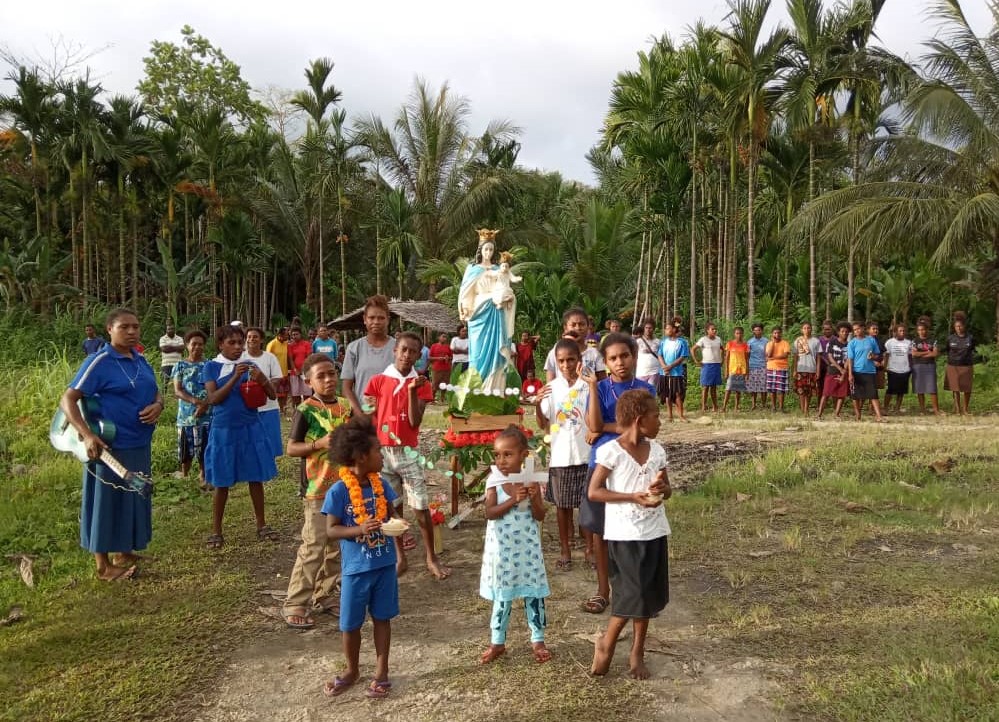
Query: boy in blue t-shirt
point(356, 507)
point(863, 355)
point(324, 344)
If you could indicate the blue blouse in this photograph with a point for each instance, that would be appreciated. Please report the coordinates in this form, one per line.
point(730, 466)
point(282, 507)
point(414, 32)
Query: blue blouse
point(123, 387)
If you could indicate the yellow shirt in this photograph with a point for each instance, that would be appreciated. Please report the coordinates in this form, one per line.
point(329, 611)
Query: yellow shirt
point(737, 360)
point(280, 350)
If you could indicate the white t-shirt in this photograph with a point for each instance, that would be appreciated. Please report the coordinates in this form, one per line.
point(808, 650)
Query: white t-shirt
point(625, 521)
point(711, 349)
point(648, 360)
point(173, 357)
point(898, 355)
point(268, 363)
point(459, 350)
point(591, 359)
point(566, 409)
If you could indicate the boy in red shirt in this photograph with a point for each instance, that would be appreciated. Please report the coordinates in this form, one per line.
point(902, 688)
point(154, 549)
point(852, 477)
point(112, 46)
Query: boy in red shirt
point(440, 364)
point(525, 353)
point(399, 396)
point(299, 349)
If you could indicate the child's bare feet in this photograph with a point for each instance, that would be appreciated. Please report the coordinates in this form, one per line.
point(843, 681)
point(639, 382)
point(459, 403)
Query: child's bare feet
point(438, 570)
point(603, 653)
point(494, 652)
point(638, 669)
point(541, 652)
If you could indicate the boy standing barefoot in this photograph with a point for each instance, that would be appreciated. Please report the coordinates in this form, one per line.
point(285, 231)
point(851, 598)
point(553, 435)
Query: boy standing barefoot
point(400, 396)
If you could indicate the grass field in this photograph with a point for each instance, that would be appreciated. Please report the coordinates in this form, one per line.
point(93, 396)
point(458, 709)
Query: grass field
point(837, 552)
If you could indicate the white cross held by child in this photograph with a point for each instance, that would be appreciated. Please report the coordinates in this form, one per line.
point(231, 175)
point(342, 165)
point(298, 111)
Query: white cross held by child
point(529, 476)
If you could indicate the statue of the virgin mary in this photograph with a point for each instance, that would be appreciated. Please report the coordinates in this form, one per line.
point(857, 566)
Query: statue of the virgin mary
point(487, 303)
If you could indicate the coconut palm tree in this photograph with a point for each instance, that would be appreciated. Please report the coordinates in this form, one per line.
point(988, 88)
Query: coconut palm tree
point(429, 153)
point(937, 186)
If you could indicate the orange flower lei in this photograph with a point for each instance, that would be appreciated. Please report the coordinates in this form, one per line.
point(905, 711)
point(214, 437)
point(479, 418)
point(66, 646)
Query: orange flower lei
point(357, 496)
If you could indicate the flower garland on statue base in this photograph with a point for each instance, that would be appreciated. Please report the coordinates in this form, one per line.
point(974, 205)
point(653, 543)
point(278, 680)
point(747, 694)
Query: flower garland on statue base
point(357, 496)
point(472, 449)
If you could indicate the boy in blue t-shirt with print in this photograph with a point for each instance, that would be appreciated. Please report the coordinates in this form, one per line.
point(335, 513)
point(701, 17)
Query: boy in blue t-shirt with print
point(370, 562)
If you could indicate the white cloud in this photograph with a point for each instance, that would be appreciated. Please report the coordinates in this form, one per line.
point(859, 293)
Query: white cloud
point(545, 65)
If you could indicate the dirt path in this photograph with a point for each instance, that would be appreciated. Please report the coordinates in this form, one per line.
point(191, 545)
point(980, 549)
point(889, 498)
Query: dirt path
point(442, 630)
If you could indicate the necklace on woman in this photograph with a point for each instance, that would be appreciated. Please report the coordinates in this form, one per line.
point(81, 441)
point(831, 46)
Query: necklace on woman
point(630, 387)
point(131, 379)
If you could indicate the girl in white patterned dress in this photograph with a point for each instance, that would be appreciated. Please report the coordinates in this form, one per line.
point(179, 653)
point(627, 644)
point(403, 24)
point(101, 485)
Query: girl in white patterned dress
point(512, 563)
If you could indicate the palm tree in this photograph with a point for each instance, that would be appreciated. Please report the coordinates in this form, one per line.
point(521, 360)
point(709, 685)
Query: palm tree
point(757, 63)
point(400, 246)
point(937, 187)
point(129, 147)
point(319, 97)
point(33, 107)
point(429, 153)
point(83, 138)
point(818, 49)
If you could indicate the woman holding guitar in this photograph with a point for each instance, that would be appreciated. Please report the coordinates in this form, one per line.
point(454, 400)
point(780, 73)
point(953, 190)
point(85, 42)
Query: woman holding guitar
point(120, 390)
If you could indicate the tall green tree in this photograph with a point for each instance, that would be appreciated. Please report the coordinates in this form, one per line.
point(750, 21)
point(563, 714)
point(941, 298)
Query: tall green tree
point(430, 154)
point(757, 59)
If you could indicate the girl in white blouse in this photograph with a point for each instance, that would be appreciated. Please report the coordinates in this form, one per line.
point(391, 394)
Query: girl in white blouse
point(630, 477)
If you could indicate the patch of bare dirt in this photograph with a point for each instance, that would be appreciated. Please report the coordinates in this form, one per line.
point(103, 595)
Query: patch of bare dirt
point(444, 626)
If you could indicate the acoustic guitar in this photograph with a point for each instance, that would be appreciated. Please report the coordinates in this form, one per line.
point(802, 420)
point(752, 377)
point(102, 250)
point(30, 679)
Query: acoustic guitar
point(65, 437)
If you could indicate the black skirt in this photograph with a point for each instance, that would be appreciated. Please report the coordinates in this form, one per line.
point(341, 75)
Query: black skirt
point(865, 387)
point(898, 384)
point(639, 577)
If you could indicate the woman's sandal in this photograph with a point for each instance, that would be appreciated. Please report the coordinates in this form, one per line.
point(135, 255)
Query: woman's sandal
point(305, 621)
point(378, 689)
point(563, 565)
point(337, 686)
point(265, 533)
point(215, 541)
point(595, 604)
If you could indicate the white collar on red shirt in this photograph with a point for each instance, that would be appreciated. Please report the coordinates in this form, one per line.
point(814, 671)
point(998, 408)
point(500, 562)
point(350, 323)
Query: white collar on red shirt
point(393, 373)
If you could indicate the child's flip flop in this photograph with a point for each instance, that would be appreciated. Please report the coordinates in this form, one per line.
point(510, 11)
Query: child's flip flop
point(338, 686)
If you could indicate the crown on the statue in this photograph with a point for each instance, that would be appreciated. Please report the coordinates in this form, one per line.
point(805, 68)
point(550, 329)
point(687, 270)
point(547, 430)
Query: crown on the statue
point(487, 234)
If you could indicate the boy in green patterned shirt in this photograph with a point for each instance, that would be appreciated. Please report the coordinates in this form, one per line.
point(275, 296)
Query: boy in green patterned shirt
point(313, 579)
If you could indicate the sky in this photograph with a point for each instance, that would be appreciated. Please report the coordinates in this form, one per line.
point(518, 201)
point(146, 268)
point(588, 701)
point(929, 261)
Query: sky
point(545, 65)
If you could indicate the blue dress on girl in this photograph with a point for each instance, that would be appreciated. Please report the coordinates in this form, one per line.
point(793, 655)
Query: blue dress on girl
point(513, 567)
point(238, 449)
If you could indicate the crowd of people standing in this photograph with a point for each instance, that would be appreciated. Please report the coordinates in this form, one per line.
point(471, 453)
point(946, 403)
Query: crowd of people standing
point(597, 404)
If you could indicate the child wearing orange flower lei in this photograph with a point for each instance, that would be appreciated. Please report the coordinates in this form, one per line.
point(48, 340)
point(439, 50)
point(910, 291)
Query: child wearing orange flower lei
point(370, 562)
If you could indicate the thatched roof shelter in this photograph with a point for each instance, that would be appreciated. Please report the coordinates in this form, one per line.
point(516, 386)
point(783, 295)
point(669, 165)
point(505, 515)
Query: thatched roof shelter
point(425, 314)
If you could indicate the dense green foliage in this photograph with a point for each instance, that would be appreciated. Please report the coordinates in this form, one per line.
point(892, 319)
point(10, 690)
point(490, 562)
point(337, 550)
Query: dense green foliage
point(793, 175)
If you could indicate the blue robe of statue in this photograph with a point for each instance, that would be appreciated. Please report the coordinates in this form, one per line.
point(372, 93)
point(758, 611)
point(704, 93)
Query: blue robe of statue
point(488, 326)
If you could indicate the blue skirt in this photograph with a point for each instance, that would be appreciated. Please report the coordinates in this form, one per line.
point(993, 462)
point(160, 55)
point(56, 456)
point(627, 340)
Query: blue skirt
point(239, 453)
point(271, 421)
point(111, 518)
point(711, 375)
